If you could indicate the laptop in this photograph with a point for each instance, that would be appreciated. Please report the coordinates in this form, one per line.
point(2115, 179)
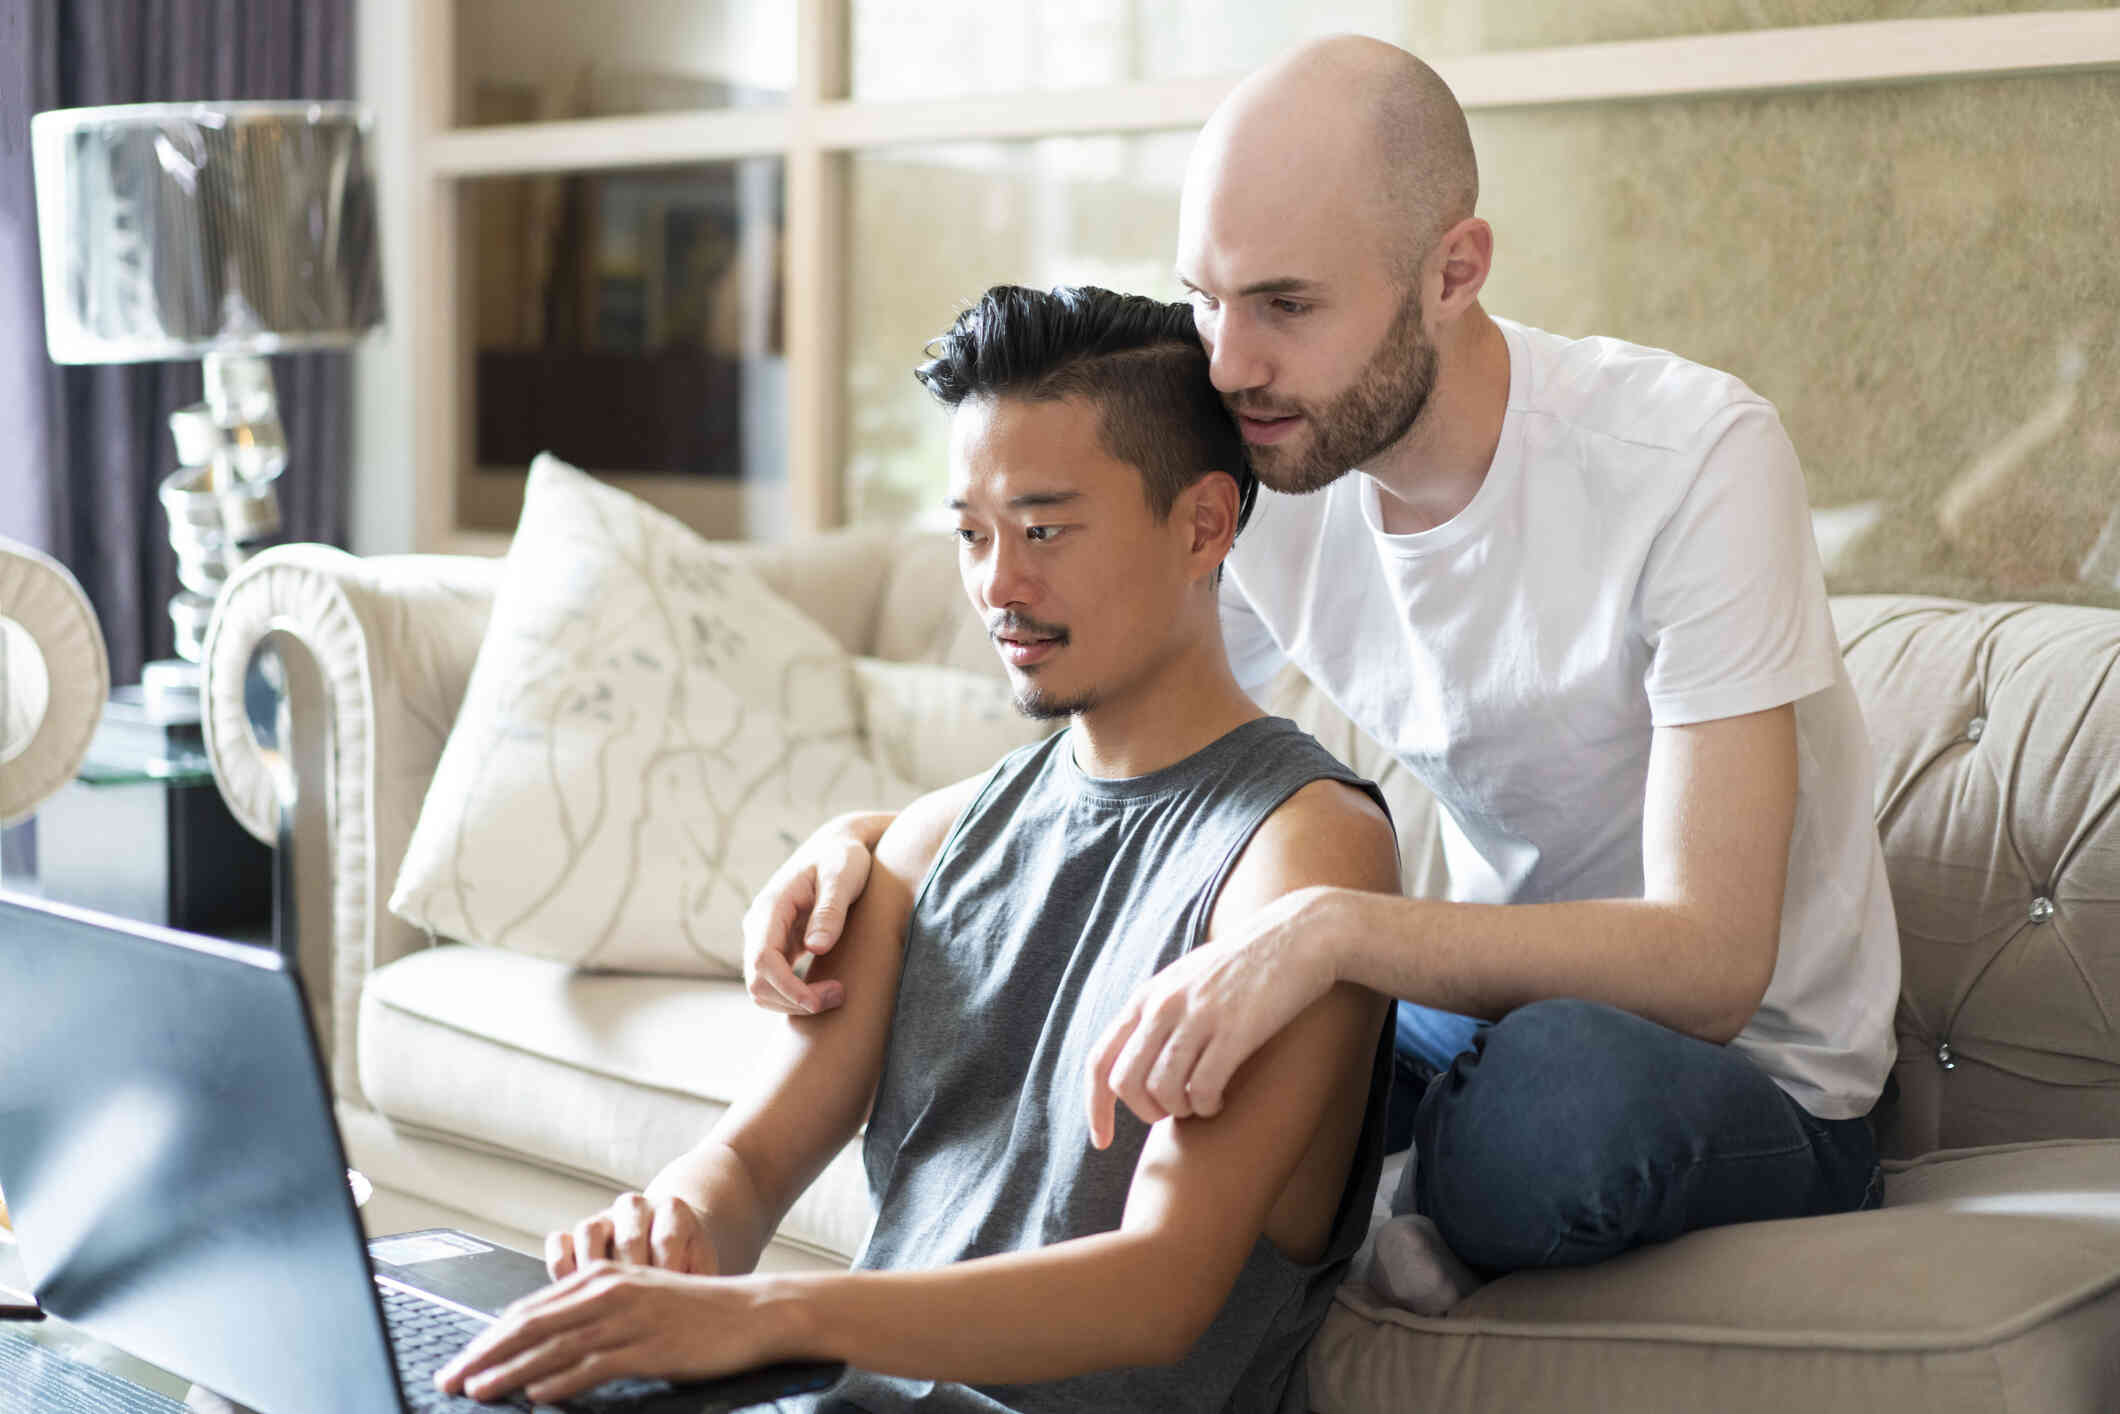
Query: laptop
point(178, 1188)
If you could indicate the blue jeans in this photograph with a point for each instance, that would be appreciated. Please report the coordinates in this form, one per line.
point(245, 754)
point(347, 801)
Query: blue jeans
point(1572, 1131)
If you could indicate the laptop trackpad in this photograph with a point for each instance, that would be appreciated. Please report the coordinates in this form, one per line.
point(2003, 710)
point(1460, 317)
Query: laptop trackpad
point(458, 1268)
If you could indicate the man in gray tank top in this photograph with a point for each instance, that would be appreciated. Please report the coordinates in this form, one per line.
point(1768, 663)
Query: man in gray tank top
point(1032, 1251)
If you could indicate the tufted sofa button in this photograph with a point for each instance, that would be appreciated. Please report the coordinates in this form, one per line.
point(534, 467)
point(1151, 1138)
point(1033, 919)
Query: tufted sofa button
point(2042, 909)
point(1974, 728)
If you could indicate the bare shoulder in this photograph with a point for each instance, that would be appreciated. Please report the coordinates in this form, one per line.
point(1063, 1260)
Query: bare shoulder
point(910, 845)
point(1328, 833)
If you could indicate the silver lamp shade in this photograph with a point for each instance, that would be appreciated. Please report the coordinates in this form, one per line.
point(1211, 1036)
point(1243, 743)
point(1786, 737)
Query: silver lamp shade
point(221, 231)
point(174, 230)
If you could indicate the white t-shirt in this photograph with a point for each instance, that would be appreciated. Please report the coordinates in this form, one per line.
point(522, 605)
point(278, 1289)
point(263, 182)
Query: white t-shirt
point(1639, 555)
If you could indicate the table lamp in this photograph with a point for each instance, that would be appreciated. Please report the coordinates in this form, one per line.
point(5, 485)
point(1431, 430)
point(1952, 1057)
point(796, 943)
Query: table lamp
point(219, 231)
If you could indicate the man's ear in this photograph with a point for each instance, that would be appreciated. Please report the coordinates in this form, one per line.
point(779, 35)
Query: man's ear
point(1457, 268)
point(1208, 510)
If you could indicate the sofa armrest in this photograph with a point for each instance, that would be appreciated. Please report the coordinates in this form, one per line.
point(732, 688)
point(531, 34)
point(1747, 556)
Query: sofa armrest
point(377, 653)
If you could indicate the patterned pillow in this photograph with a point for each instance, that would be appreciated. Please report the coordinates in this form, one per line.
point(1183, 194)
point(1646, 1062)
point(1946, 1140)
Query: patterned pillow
point(648, 731)
point(936, 725)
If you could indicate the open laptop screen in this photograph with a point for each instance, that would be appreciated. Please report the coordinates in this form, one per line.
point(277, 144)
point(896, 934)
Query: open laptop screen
point(168, 1152)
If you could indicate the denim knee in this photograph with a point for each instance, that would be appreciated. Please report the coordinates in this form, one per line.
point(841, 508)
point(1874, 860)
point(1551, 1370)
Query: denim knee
point(1522, 1141)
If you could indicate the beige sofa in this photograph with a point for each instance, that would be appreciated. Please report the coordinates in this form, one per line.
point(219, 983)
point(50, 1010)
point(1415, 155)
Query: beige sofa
point(513, 1095)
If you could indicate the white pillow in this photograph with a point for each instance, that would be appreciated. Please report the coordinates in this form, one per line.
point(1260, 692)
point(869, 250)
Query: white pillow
point(647, 733)
point(935, 725)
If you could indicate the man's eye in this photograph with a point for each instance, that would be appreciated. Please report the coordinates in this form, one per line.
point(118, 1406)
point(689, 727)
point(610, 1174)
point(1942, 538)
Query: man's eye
point(1290, 306)
point(1041, 533)
point(966, 537)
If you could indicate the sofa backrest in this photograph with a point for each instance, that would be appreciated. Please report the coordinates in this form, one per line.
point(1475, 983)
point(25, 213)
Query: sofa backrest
point(1996, 730)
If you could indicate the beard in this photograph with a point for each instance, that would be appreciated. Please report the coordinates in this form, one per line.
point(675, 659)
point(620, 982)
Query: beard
point(1042, 706)
point(1030, 699)
point(1381, 406)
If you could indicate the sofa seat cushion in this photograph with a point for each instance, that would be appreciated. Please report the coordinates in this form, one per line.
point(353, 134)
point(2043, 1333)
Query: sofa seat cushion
point(601, 1076)
point(1990, 1280)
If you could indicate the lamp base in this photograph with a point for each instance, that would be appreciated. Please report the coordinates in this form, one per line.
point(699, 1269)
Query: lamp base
point(171, 688)
point(221, 502)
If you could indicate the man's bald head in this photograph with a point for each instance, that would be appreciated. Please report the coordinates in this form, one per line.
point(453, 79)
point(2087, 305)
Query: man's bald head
point(1383, 120)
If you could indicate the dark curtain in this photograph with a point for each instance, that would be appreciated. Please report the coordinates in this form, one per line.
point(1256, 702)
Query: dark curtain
point(85, 447)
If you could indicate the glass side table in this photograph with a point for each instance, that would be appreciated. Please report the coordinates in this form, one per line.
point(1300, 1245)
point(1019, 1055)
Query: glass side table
point(141, 831)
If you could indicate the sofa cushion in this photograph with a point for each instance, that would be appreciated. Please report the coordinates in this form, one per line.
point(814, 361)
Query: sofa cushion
point(599, 1076)
point(934, 725)
point(1990, 1280)
point(648, 730)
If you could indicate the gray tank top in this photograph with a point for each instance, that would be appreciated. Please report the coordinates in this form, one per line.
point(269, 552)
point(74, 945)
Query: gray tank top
point(1056, 895)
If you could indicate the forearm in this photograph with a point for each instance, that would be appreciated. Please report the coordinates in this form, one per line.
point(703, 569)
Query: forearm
point(1657, 960)
point(1119, 1298)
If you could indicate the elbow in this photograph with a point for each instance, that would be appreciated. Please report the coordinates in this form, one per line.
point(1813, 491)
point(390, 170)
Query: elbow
point(1744, 986)
point(1182, 1297)
point(1171, 1336)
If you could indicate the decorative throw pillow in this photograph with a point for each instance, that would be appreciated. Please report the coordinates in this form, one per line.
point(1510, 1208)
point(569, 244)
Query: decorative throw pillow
point(648, 732)
point(935, 725)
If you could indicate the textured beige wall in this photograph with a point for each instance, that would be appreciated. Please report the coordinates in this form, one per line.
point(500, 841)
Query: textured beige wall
point(1920, 276)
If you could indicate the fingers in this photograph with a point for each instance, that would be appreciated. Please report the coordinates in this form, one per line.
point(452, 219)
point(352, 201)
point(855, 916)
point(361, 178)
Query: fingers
point(554, 1368)
point(631, 1218)
point(559, 1254)
point(1102, 1119)
point(1171, 1081)
point(592, 1240)
point(841, 876)
point(769, 942)
point(775, 987)
point(1218, 1061)
point(478, 1368)
point(679, 1241)
point(586, 1373)
point(1129, 1074)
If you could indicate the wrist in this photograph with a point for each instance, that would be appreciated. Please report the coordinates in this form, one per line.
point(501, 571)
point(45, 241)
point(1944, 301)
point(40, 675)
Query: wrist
point(864, 827)
point(1323, 918)
point(784, 1310)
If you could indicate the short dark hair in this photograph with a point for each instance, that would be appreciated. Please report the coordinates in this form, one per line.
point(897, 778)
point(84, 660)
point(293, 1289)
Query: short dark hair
point(1138, 361)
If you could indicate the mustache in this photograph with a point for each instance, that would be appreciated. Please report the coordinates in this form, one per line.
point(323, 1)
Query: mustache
point(1016, 625)
point(1252, 407)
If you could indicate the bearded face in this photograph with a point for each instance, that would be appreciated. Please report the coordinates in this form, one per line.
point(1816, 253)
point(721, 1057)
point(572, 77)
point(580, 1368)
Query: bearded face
point(1373, 412)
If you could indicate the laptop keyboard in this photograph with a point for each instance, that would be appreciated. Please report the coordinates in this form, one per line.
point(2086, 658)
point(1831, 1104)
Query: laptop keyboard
point(424, 1337)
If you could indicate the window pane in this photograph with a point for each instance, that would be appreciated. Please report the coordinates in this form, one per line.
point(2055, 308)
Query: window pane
point(523, 61)
point(909, 49)
point(1095, 211)
point(629, 321)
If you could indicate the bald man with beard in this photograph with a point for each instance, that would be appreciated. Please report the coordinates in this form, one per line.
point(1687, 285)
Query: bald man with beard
point(1571, 584)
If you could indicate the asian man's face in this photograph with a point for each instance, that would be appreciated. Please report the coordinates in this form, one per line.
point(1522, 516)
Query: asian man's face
point(1079, 583)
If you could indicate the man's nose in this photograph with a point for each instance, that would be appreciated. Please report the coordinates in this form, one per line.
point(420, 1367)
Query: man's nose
point(1234, 359)
point(1009, 579)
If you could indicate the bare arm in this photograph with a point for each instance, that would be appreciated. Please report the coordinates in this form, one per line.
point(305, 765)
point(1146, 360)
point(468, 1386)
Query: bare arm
point(1694, 953)
point(713, 1209)
point(1201, 1195)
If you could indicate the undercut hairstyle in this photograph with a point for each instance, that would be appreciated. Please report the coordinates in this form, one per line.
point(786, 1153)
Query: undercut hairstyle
point(1136, 360)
